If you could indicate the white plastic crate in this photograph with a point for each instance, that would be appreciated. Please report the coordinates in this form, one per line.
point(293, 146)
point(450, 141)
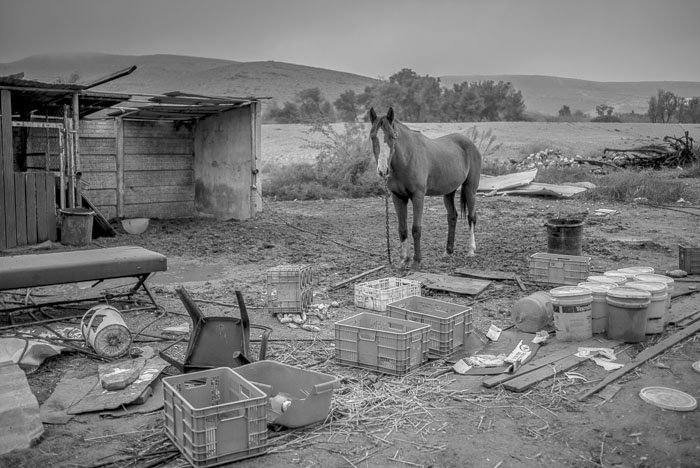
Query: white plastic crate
point(559, 269)
point(289, 289)
point(380, 343)
point(215, 416)
point(449, 323)
point(376, 295)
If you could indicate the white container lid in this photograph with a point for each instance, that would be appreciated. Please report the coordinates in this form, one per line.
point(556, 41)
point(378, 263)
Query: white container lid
point(569, 291)
point(603, 279)
point(597, 287)
point(653, 287)
point(615, 274)
point(655, 278)
point(637, 270)
point(623, 292)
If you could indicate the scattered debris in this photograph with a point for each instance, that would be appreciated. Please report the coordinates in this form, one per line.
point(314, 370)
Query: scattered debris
point(676, 152)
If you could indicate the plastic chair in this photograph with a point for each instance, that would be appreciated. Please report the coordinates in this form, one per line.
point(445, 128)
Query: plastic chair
point(216, 341)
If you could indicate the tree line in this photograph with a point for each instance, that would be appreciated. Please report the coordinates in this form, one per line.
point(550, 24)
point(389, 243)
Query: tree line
point(414, 97)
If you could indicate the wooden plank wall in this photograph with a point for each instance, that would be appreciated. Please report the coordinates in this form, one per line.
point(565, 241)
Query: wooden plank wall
point(98, 165)
point(158, 170)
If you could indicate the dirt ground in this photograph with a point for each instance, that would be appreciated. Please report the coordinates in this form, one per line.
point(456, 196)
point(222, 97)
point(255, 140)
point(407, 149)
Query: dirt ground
point(419, 419)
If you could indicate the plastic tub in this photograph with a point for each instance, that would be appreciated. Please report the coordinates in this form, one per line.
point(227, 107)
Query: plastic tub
point(309, 393)
point(599, 307)
point(627, 314)
point(620, 277)
point(631, 272)
point(564, 236)
point(661, 279)
point(656, 313)
point(532, 313)
point(572, 312)
point(76, 226)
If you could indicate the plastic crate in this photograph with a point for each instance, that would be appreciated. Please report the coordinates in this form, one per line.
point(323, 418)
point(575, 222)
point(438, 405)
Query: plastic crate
point(376, 295)
point(215, 416)
point(558, 268)
point(449, 323)
point(380, 343)
point(308, 392)
point(689, 259)
point(289, 289)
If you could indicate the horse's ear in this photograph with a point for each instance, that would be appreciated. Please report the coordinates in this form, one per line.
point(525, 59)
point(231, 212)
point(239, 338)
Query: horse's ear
point(372, 115)
point(390, 115)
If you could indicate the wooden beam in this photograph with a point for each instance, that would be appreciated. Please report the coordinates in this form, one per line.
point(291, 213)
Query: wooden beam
point(641, 358)
point(38, 124)
point(119, 143)
point(111, 77)
point(356, 277)
point(7, 167)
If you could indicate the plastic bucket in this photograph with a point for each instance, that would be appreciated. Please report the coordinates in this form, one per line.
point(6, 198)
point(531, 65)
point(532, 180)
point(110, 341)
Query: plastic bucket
point(564, 236)
point(572, 312)
point(631, 272)
point(616, 281)
point(532, 313)
point(599, 307)
point(76, 226)
point(627, 314)
point(105, 331)
point(621, 278)
point(656, 313)
point(660, 279)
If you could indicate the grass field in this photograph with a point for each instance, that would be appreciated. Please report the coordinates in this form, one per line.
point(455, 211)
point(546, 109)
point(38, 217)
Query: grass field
point(287, 144)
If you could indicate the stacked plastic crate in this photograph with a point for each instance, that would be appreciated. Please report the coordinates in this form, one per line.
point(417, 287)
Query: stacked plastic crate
point(289, 289)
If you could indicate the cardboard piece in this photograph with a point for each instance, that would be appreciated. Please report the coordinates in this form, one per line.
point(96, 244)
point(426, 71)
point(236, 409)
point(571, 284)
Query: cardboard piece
point(489, 183)
point(559, 191)
point(467, 286)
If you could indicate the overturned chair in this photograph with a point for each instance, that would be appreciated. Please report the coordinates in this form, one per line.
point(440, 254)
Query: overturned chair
point(215, 341)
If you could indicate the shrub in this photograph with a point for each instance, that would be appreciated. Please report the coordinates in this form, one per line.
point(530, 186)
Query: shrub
point(626, 185)
point(484, 141)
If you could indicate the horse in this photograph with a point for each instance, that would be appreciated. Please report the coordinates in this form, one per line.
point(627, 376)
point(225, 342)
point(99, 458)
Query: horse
point(415, 166)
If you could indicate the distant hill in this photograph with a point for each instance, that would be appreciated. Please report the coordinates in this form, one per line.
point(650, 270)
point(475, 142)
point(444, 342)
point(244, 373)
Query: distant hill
point(157, 74)
point(547, 94)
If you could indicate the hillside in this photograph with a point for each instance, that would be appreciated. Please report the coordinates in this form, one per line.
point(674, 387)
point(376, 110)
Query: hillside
point(281, 81)
point(547, 94)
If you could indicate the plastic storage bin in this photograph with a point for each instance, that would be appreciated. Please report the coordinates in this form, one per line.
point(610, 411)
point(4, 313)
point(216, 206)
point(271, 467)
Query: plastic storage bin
point(289, 289)
point(449, 323)
point(215, 416)
point(376, 295)
point(689, 259)
point(309, 393)
point(559, 269)
point(382, 344)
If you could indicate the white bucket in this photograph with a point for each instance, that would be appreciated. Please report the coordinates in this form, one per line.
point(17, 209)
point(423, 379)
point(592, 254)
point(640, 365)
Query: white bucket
point(631, 272)
point(599, 307)
point(660, 279)
point(532, 313)
point(105, 331)
point(627, 314)
point(604, 279)
point(656, 313)
point(621, 278)
point(572, 312)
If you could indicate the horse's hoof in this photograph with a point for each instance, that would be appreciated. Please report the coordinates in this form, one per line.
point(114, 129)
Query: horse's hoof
point(471, 254)
point(416, 266)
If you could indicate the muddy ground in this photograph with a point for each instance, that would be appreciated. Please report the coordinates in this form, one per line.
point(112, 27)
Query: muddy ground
point(419, 419)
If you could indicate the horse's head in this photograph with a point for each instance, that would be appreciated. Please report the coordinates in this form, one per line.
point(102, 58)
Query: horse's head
point(383, 152)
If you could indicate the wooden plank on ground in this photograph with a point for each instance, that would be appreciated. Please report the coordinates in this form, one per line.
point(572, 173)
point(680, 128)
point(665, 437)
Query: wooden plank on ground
point(530, 366)
point(361, 275)
point(523, 382)
point(20, 208)
point(485, 274)
point(468, 286)
point(31, 207)
point(103, 226)
point(641, 358)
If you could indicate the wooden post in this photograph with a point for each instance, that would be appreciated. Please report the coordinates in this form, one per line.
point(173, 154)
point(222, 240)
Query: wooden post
point(76, 148)
point(70, 167)
point(62, 166)
point(7, 169)
point(119, 145)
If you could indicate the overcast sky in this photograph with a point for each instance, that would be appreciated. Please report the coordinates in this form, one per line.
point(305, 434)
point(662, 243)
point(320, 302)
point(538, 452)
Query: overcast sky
point(602, 40)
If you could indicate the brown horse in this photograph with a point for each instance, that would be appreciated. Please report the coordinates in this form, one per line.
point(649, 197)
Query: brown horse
point(416, 166)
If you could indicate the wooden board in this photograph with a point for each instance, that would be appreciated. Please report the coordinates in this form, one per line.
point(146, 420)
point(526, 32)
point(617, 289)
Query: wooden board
point(30, 188)
point(485, 274)
point(468, 286)
point(530, 367)
point(523, 382)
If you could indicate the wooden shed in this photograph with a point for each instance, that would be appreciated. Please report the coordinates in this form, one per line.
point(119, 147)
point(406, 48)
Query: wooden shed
point(166, 156)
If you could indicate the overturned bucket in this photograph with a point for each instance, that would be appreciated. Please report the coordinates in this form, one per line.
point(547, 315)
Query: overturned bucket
point(564, 236)
point(105, 331)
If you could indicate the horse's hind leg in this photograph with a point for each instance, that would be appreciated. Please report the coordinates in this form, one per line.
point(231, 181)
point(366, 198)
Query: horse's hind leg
point(449, 201)
point(469, 196)
point(401, 208)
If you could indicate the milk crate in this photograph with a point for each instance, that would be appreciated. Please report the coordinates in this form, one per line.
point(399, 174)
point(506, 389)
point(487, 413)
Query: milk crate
point(289, 289)
point(449, 323)
point(215, 416)
point(689, 259)
point(380, 343)
point(558, 268)
point(376, 295)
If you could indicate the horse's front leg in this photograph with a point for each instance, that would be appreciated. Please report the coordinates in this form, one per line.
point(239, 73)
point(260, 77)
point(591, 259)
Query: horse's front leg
point(417, 202)
point(401, 208)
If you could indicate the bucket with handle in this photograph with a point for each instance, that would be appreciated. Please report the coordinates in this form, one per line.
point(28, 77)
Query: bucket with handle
point(564, 236)
point(627, 314)
point(105, 331)
point(572, 312)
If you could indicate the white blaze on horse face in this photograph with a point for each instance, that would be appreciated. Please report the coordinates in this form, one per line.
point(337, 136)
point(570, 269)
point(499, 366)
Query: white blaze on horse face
point(383, 158)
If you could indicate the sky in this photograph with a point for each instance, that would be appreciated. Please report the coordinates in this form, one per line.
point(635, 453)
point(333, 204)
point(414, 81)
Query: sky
point(600, 40)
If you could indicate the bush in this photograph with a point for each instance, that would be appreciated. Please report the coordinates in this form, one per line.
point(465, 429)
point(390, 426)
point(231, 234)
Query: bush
point(627, 185)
